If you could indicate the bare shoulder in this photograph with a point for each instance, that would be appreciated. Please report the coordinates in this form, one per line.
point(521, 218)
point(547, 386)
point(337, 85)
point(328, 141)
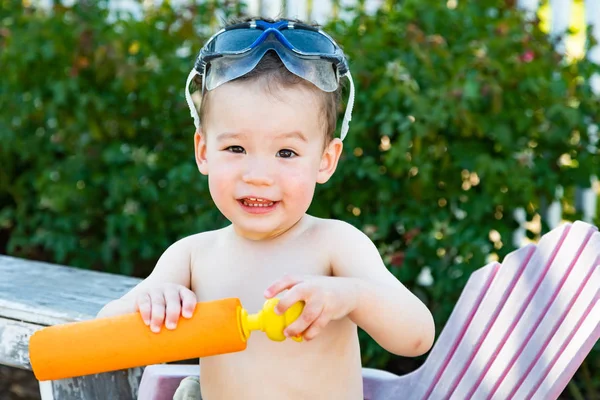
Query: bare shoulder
point(337, 230)
point(201, 239)
point(340, 236)
point(351, 251)
point(197, 244)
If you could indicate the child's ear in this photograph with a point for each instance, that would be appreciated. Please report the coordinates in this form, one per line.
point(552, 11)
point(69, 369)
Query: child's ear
point(200, 151)
point(329, 160)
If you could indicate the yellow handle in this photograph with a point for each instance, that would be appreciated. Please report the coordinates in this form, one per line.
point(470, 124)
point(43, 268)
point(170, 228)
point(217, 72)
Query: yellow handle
point(269, 322)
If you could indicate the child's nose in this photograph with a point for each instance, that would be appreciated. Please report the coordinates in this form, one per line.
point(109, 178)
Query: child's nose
point(258, 173)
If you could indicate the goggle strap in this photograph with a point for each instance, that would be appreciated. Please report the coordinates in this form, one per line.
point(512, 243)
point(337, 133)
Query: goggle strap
point(345, 122)
point(349, 107)
point(188, 98)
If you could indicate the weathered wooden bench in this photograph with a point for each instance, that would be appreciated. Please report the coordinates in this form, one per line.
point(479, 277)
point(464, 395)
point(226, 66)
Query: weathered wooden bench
point(34, 295)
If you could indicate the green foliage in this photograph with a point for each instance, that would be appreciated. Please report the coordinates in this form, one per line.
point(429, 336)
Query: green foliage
point(462, 115)
point(97, 163)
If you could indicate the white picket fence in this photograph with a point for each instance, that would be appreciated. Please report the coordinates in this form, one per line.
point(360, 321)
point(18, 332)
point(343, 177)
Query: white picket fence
point(561, 12)
point(316, 10)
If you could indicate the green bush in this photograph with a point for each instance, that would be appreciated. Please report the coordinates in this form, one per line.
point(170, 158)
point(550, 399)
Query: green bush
point(98, 168)
point(462, 115)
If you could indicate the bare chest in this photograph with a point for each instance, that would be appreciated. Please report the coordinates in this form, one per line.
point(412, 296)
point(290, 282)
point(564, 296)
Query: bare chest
point(246, 272)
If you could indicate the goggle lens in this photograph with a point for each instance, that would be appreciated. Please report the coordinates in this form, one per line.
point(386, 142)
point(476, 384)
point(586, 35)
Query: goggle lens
point(308, 41)
point(234, 40)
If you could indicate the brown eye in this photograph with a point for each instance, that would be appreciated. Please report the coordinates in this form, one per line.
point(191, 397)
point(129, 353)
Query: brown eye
point(286, 153)
point(236, 149)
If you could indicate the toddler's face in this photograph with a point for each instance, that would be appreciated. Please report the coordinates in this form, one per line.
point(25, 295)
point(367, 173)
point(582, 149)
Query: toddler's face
point(263, 154)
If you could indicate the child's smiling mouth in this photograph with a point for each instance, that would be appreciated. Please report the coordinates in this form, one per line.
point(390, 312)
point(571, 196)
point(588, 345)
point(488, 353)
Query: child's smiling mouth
point(257, 205)
point(256, 202)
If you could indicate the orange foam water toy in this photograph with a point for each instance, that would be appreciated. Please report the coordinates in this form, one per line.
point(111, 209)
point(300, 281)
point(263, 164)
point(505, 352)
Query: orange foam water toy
point(114, 343)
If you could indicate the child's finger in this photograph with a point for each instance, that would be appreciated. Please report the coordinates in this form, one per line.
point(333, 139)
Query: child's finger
point(280, 285)
point(291, 297)
point(316, 327)
point(188, 302)
point(158, 310)
point(173, 308)
point(308, 316)
point(144, 307)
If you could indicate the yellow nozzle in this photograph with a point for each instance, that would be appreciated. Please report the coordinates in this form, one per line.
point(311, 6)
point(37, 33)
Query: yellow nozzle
point(269, 322)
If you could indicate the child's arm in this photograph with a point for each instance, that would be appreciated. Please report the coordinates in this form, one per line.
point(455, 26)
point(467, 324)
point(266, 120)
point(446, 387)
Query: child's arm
point(386, 310)
point(164, 294)
point(369, 295)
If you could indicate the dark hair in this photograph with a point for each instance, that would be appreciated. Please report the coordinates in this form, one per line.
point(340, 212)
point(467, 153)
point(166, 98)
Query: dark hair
point(272, 71)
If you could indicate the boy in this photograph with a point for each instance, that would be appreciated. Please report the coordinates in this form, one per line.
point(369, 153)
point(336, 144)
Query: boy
point(269, 98)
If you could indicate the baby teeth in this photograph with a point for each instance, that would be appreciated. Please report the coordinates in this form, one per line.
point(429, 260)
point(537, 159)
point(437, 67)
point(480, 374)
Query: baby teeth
point(257, 205)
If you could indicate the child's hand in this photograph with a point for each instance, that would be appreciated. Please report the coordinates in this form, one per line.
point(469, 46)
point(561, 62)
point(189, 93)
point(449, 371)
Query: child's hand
point(326, 299)
point(164, 304)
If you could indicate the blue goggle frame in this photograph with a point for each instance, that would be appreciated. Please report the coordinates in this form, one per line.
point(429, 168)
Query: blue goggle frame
point(306, 42)
point(230, 46)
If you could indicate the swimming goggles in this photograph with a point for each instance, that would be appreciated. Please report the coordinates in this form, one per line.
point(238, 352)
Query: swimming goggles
point(305, 51)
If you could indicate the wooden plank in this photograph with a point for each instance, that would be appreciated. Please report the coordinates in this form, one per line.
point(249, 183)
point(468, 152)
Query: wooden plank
point(561, 16)
point(573, 355)
point(506, 370)
point(47, 294)
point(35, 294)
point(492, 304)
point(453, 332)
point(483, 334)
point(590, 196)
point(322, 11)
point(297, 9)
point(122, 385)
point(14, 352)
point(592, 17)
point(14, 343)
point(561, 320)
point(529, 6)
point(564, 337)
point(477, 374)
